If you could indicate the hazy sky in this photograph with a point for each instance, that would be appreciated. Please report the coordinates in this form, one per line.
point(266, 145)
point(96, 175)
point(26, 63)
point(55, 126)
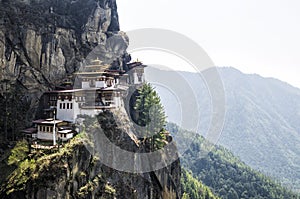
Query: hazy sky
point(255, 36)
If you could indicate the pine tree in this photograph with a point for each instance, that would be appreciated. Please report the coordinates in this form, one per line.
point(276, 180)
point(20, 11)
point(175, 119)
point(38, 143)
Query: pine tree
point(150, 117)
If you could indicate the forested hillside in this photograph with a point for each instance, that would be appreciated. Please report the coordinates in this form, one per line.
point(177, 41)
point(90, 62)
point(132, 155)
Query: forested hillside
point(262, 118)
point(192, 188)
point(225, 174)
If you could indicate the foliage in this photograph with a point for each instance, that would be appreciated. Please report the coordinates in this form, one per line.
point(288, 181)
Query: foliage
point(150, 112)
point(14, 109)
point(230, 178)
point(226, 175)
point(262, 120)
point(20, 177)
point(109, 189)
point(150, 117)
point(193, 189)
point(18, 153)
point(5, 169)
point(35, 168)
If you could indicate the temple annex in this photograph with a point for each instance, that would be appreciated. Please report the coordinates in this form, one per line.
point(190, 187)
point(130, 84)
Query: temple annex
point(96, 88)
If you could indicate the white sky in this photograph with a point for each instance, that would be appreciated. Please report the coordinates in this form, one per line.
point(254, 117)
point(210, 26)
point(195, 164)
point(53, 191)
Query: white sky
point(254, 36)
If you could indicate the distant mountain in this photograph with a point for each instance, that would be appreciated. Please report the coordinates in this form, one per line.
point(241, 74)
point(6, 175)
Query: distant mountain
point(262, 118)
point(227, 176)
point(262, 124)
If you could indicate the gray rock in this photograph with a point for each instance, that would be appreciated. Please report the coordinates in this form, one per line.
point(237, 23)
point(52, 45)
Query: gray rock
point(42, 42)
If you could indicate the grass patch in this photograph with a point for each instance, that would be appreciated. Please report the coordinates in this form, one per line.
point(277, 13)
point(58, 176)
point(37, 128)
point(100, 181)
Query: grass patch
point(35, 168)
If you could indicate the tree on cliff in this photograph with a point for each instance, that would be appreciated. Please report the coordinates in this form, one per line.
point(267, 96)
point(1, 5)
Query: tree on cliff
point(18, 153)
point(150, 116)
point(14, 107)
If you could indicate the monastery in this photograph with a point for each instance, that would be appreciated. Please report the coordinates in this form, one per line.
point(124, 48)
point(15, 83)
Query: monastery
point(96, 88)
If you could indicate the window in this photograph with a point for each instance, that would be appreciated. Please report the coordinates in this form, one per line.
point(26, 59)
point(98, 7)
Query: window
point(44, 128)
point(68, 105)
point(60, 105)
point(51, 129)
point(52, 98)
point(40, 127)
point(71, 106)
point(140, 77)
point(48, 129)
point(64, 106)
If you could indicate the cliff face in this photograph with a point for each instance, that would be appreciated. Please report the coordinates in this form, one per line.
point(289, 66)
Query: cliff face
point(77, 169)
point(43, 41)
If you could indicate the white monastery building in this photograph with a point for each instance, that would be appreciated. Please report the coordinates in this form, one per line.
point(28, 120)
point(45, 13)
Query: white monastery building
point(97, 88)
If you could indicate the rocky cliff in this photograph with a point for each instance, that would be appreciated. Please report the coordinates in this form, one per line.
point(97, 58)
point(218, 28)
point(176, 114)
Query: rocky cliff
point(77, 169)
point(44, 41)
point(41, 43)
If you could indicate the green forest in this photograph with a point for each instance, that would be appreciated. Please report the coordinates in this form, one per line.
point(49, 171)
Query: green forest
point(193, 189)
point(223, 173)
point(208, 171)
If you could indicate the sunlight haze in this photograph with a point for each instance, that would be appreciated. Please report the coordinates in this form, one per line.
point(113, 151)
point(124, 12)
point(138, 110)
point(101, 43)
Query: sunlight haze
point(253, 36)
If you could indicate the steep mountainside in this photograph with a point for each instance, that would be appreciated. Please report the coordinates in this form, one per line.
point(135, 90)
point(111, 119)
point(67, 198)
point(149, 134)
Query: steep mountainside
point(77, 170)
point(227, 176)
point(193, 188)
point(262, 119)
point(42, 43)
point(262, 124)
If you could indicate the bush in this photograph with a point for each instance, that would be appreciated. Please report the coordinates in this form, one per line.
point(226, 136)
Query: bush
point(18, 153)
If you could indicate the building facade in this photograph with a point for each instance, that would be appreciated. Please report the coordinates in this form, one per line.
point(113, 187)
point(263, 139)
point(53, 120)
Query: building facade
point(47, 129)
point(98, 89)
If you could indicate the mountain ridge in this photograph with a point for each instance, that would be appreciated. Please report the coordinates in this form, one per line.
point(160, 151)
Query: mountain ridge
point(261, 124)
